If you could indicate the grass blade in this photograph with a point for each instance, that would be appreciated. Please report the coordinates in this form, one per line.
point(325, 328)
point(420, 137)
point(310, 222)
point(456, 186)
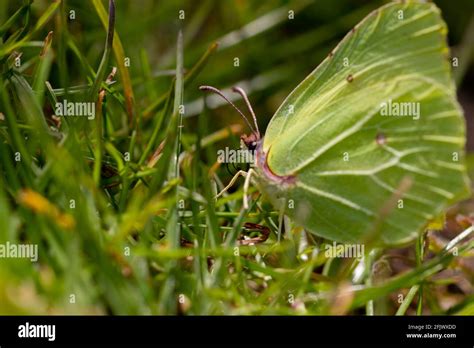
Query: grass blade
point(99, 78)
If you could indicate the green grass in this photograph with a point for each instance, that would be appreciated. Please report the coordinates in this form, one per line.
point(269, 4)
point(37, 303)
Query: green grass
point(122, 207)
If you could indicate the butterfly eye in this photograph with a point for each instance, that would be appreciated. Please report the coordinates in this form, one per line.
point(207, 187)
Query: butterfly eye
point(251, 145)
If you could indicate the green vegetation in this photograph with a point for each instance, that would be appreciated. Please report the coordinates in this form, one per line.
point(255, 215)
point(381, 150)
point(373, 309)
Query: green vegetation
point(121, 203)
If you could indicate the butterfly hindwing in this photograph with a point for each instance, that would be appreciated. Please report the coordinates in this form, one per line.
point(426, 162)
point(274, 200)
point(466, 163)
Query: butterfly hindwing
point(374, 135)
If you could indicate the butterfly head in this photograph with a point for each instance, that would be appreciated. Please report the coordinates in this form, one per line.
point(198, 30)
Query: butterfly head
point(251, 141)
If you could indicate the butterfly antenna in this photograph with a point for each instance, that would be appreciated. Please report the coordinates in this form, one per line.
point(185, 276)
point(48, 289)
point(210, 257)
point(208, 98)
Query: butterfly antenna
point(249, 106)
point(217, 91)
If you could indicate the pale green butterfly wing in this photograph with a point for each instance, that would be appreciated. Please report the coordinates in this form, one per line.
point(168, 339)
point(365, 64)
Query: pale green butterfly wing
point(349, 160)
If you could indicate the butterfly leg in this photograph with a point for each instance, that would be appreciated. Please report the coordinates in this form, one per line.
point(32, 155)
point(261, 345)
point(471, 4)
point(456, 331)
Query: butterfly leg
point(281, 215)
point(246, 187)
point(232, 182)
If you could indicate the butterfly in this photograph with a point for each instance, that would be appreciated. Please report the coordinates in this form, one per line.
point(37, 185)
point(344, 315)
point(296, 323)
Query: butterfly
point(372, 141)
